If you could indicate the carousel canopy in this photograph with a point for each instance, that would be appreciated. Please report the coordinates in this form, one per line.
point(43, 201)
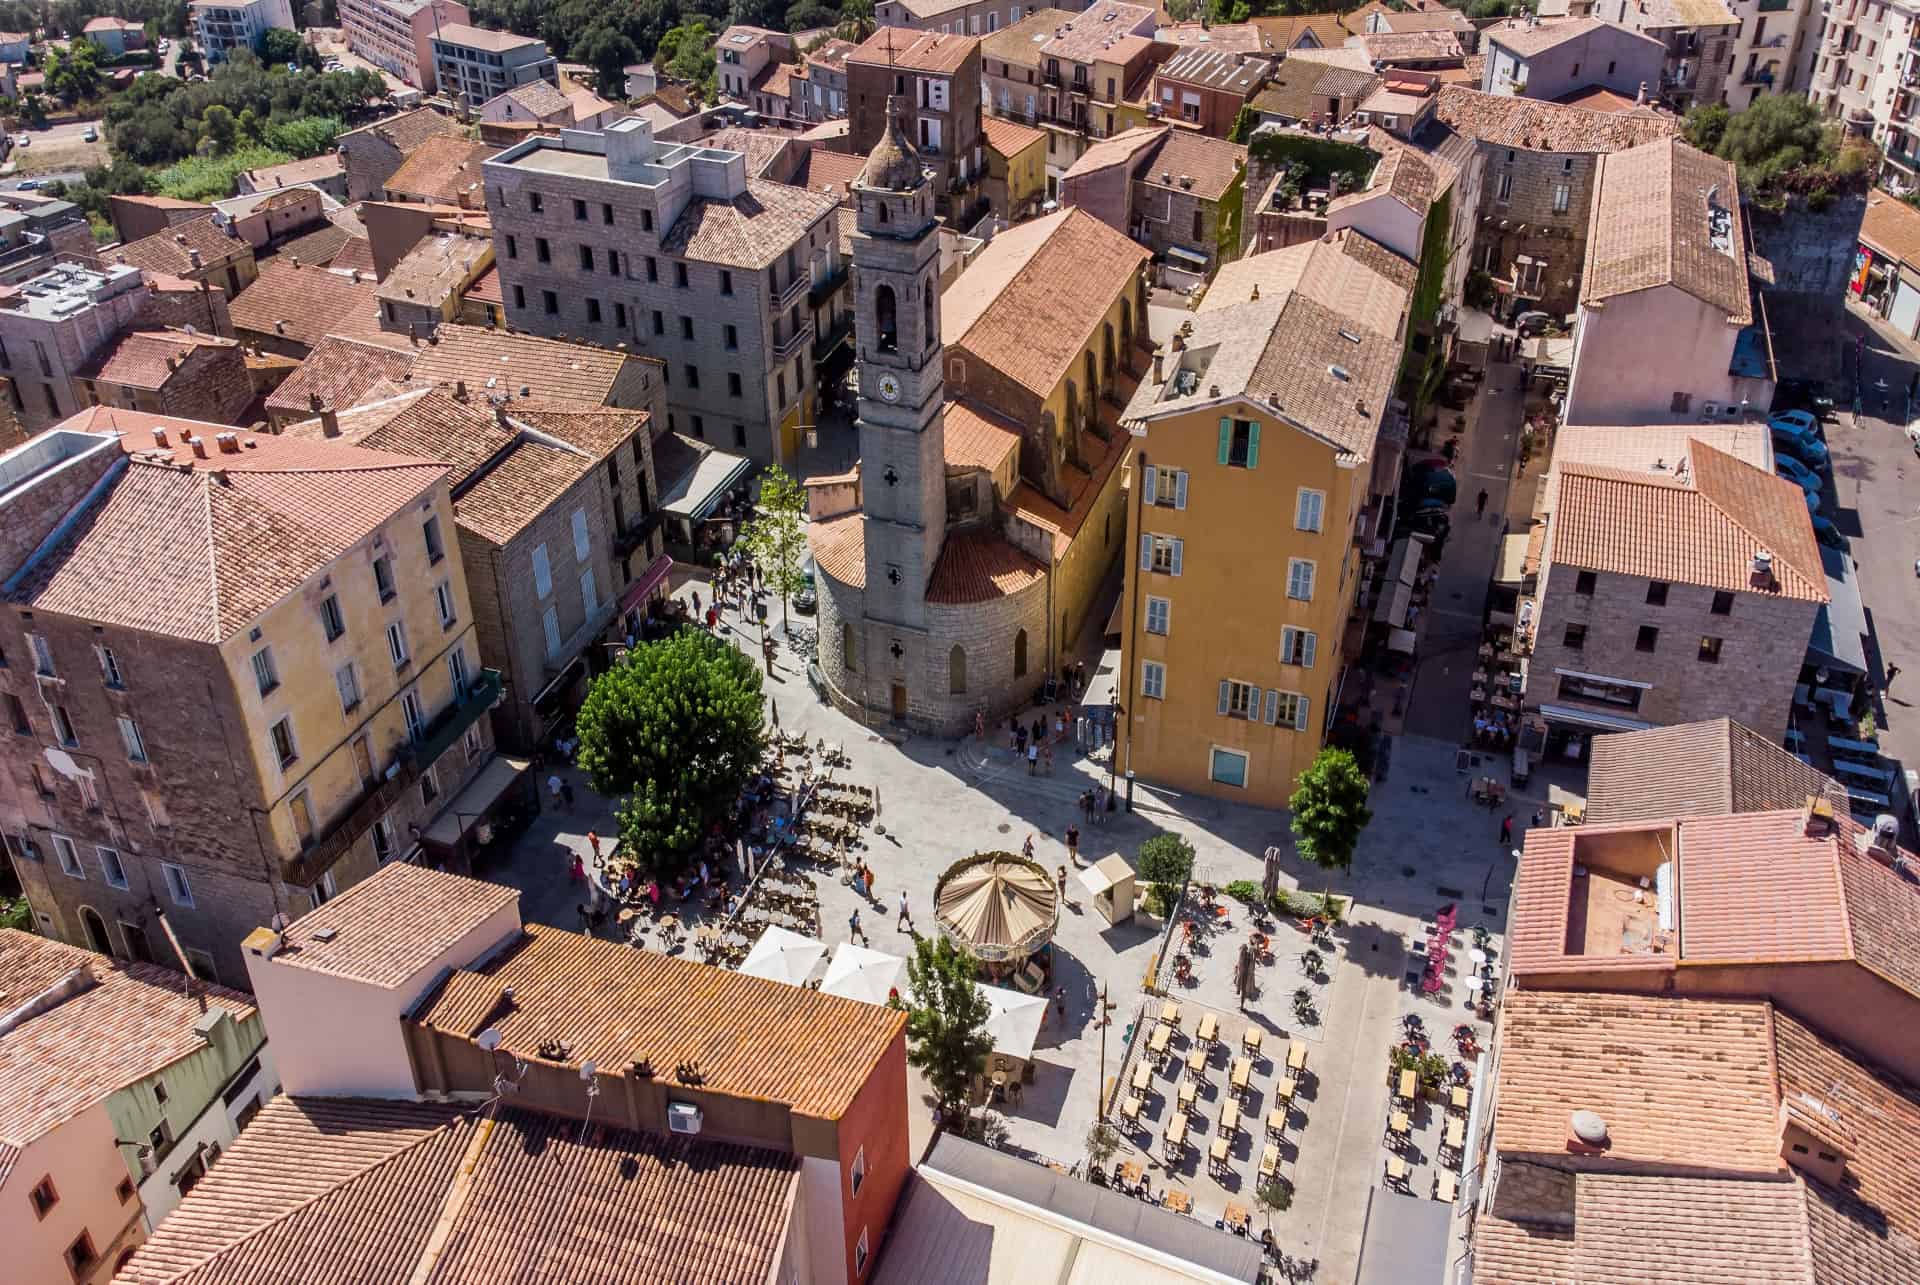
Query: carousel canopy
point(868, 975)
point(783, 956)
point(1014, 1024)
point(998, 906)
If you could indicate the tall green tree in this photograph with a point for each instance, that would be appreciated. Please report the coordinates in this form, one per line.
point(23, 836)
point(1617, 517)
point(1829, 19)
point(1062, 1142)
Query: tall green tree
point(609, 51)
point(1329, 807)
point(686, 53)
point(674, 732)
point(856, 21)
point(1706, 125)
point(776, 537)
point(1778, 133)
point(946, 1027)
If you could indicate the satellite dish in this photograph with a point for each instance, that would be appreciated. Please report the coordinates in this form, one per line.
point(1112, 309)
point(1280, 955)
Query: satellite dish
point(488, 1039)
point(280, 923)
point(586, 1071)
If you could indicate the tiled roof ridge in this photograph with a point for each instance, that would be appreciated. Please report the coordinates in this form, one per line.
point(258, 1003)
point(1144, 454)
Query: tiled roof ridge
point(299, 1207)
point(1815, 576)
point(211, 550)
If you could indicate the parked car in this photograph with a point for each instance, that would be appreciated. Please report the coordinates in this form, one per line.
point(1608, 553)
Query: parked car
point(1827, 533)
point(1806, 448)
point(1797, 421)
point(1531, 323)
point(1798, 474)
point(1803, 394)
point(808, 599)
point(24, 141)
point(29, 185)
point(92, 135)
point(1431, 479)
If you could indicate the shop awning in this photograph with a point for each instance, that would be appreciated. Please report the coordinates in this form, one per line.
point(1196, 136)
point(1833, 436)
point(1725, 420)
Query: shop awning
point(1405, 1239)
point(560, 680)
point(1395, 598)
point(646, 582)
point(695, 492)
point(468, 806)
point(1588, 718)
point(1839, 639)
point(1013, 1020)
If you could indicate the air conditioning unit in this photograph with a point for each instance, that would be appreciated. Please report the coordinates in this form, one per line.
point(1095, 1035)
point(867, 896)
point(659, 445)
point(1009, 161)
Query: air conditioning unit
point(683, 1117)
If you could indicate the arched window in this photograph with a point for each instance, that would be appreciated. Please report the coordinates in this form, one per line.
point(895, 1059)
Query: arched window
point(1126, 324)
point(880, 210)
point(1106, 355)
point(927, 292)
point(848, 660)
point(957, 670)
point(1093, 383)
point(1020, 654)
point(885, 320)
point(96, 928)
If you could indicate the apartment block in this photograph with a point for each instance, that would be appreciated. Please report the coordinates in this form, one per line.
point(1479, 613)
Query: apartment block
point(1168, 188)
point(1771, 49)
point(125, 1083)
point(293, 614)
point(473, 65)
point(1704, 608)
point(1075, 75)
point(817, 87)
point(1863, 71)
point(936, 81)
point(953, 17)
point(424, 289)
point(222, 26)
point(53, 325)
point(1699, 36)
point(1675, 337)
point(1206, 87)
point(36, 231)
point(746, 58)
point(675, 252)
point(1242, 568)
point(397, 35)
point(557, 509)
point(1528, 58)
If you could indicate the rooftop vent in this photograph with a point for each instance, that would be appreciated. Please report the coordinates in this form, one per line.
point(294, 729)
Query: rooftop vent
point(1589, 1130)
point(1762, 569)
point(1340, 373)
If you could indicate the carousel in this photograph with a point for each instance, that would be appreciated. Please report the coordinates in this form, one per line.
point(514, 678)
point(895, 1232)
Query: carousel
point(1001, 909)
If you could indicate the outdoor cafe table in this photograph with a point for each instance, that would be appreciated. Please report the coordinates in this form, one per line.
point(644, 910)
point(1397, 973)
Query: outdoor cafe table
point(1461, 1097)
point(1133, 1108)
point(1170, 1013)
point(1398, 1124)
point(1409, 1083)
point(1296, 1056)
point(1197, 1059)
point(1250, 1040)
point(1277, 1120)
point(1209, 1028)
point(1179, 1201)
point(1187, 1093)
point(1131, 1173)
point(1157, 1042)
point(1242, 1072)
point(1142, 1078)
point(1230, 1118)
point(1456, 1133)
point(1176, 1136)
point(1238, 1217)
point(1219, 1151)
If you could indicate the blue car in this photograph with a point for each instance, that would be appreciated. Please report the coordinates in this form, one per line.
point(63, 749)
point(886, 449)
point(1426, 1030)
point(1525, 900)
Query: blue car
point(1799, 474)
point(1809, 450)
point(1827, 533)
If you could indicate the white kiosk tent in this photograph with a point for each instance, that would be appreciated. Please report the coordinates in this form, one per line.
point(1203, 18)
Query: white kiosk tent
point(1110, 882)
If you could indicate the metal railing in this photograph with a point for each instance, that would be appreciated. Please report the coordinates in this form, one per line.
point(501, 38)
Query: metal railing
point(786, 348)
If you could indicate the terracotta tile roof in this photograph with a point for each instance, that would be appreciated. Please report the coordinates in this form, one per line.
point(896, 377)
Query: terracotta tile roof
point(1212, 164)
point(339, 371)
point(1883, 910)
point(1870, 1231)
point(597, 430)
point(1597, 98)
point(1795, 913)
point(1241, 37)
point(1696, 769)
point(1300, 84)
point(1346, 271)
point(832, 54)
point(752, 1038)
point(407, 130)
point(750, 231)
point(486, 287)
point(831, 173)
point(1212, 67)
point(135, 1020)
point(494, 42)
point(434, 270)
point(1548, 127)
point(1683, 13)
point(320, 1190)
point(1329, 30)
point(977, 437)
point(312, 170)
point(174, 549)
point(1633, 1229)
point(316, 247)
point(1090, 36)
point(355, 255)
point(1392, 47)
point(139, 358)
point(1652, 226)
point(538, 99)
point(762, 147)
point(308, 303)
point(839, 548)
point(1891, 227)
point(1099, 458)
point(1646, 524)
point(442, 168)
point(386, 928)
point(930, 51)
point(1685, 1082)
point(1529, 38)
point(1028, 303)
point(1401, 173)
point(518, 489)
point(172, 251)
point(979, 566)
point(778, 80)
point(1438, 18)
point(548, 368)
point(1009, 137)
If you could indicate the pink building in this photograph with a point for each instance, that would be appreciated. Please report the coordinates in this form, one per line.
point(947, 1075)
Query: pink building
point(397, 35)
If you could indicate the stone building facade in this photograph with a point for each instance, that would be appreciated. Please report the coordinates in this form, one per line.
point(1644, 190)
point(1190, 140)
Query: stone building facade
point(936, 80)
point(54, 325)
point(194, 376)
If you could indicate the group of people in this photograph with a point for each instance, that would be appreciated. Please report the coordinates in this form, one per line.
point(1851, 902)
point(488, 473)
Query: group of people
point(1034, 741)
point(1493, 731)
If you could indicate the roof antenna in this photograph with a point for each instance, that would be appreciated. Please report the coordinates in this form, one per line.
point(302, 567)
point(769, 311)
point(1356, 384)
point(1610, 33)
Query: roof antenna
point(593, 1091)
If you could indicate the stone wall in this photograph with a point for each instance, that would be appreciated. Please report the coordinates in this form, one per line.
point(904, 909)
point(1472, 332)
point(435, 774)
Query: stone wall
point(1534, 181)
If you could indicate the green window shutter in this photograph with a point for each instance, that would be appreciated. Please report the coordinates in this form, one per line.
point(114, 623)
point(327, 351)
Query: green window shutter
point(1226, 439)
point(1253, 444)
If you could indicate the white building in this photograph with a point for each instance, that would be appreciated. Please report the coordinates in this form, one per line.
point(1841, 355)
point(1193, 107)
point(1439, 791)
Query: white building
point(221, 26)
point(1864, 70)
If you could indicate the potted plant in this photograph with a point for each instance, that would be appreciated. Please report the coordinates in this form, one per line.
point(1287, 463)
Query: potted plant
point(1311, 962)
point(1303, 1005)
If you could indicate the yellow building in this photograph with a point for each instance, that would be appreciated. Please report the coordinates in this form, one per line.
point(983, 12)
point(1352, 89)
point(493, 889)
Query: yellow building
point(1265, 444)
point(254, 679)
point(1016, 167)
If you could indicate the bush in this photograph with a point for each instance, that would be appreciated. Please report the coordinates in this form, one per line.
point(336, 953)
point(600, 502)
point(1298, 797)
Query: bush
point(1159, 901)
point(1244, 890)
point(211, 178)
point(1165, 859)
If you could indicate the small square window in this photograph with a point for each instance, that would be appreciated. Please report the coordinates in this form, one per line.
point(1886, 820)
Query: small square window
point(1584, 583)
point(680, 275)
point(1575, 637)
point(332, 623)
point(586, 258)
point(177, 886)
point(1709, 650)
point(430, 530)
point(125, 1190)
point(1656, 593)
point(1648, 639)
point(579, 209)
point(80, 1255)
point(283, 747)
point(733, 383)
point(1722, 603)
point(593, 312)
point(550, 303)
point(541, 250)
point(534, 202)
point(693, 375)
point(383, 577)
point(44, 1197)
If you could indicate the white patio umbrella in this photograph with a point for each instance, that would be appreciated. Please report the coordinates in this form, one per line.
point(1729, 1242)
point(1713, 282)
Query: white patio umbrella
point(1014, 1023)
point(855, 972)
point(783, 956)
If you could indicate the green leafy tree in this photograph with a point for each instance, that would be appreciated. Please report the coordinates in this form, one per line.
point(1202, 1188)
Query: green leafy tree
point(1706, 125)
point(946, 1026)
point(218, 131)
point(1329, 807)
point(1244, 124)
point(1102, 1141)
point(75, 73)
point(608, 50)
point(674, 732)
point(776, 537)
point(307, 136)
point(1165, 859)
point(806, 15)
point(686, 53)
point(278, 47)
point(856, 21)
point(1777, 134)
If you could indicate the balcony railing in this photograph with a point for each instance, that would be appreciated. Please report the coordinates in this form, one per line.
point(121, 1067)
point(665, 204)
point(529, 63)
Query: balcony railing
point(823, 289)
point(786, 294)
point(378, 799)
point(793, 343)
point(636, 533)
point(824, 344)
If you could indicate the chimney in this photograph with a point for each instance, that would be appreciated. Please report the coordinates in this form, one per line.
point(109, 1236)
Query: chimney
point(1640, 99)
point(330, 423)
point(1762, 577)
point(199, 445)
point(356, 276)
point(160, 438)
point(1882, 842)
point(1813, 1140)
point(1159, 369)
point(296, 260)
point(1817, 817)
point(459, 390)
point(229, 443)
point(173, 362)
point(315, 403)
point(279, 327)
point(193, 257)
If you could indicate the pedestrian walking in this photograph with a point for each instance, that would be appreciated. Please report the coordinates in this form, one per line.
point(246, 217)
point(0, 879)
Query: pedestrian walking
point(854, 929)
point(696, 602)
point(1061, 876)
point(1480, 505)
point(1047, 760)
point(593, 841)
point(553, 789)
point(1033, 757)
point(905, 922)
point(1506, 829)
point(1026, 849)
point(1073, 844)
point(1079, 676)
point(1086, 805)
point(1893, 672)
point(866, 872)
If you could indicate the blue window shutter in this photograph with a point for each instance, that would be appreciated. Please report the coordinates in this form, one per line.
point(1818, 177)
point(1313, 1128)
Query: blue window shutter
point(1273, 704)
point(1148, 483)
point(1146, 553)
point(1300, 715)
point(1180, 489)
point(1223, 696)
point(1179, 547)
point(1253, 444)
point(1226, 439)
point(1312, 642)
